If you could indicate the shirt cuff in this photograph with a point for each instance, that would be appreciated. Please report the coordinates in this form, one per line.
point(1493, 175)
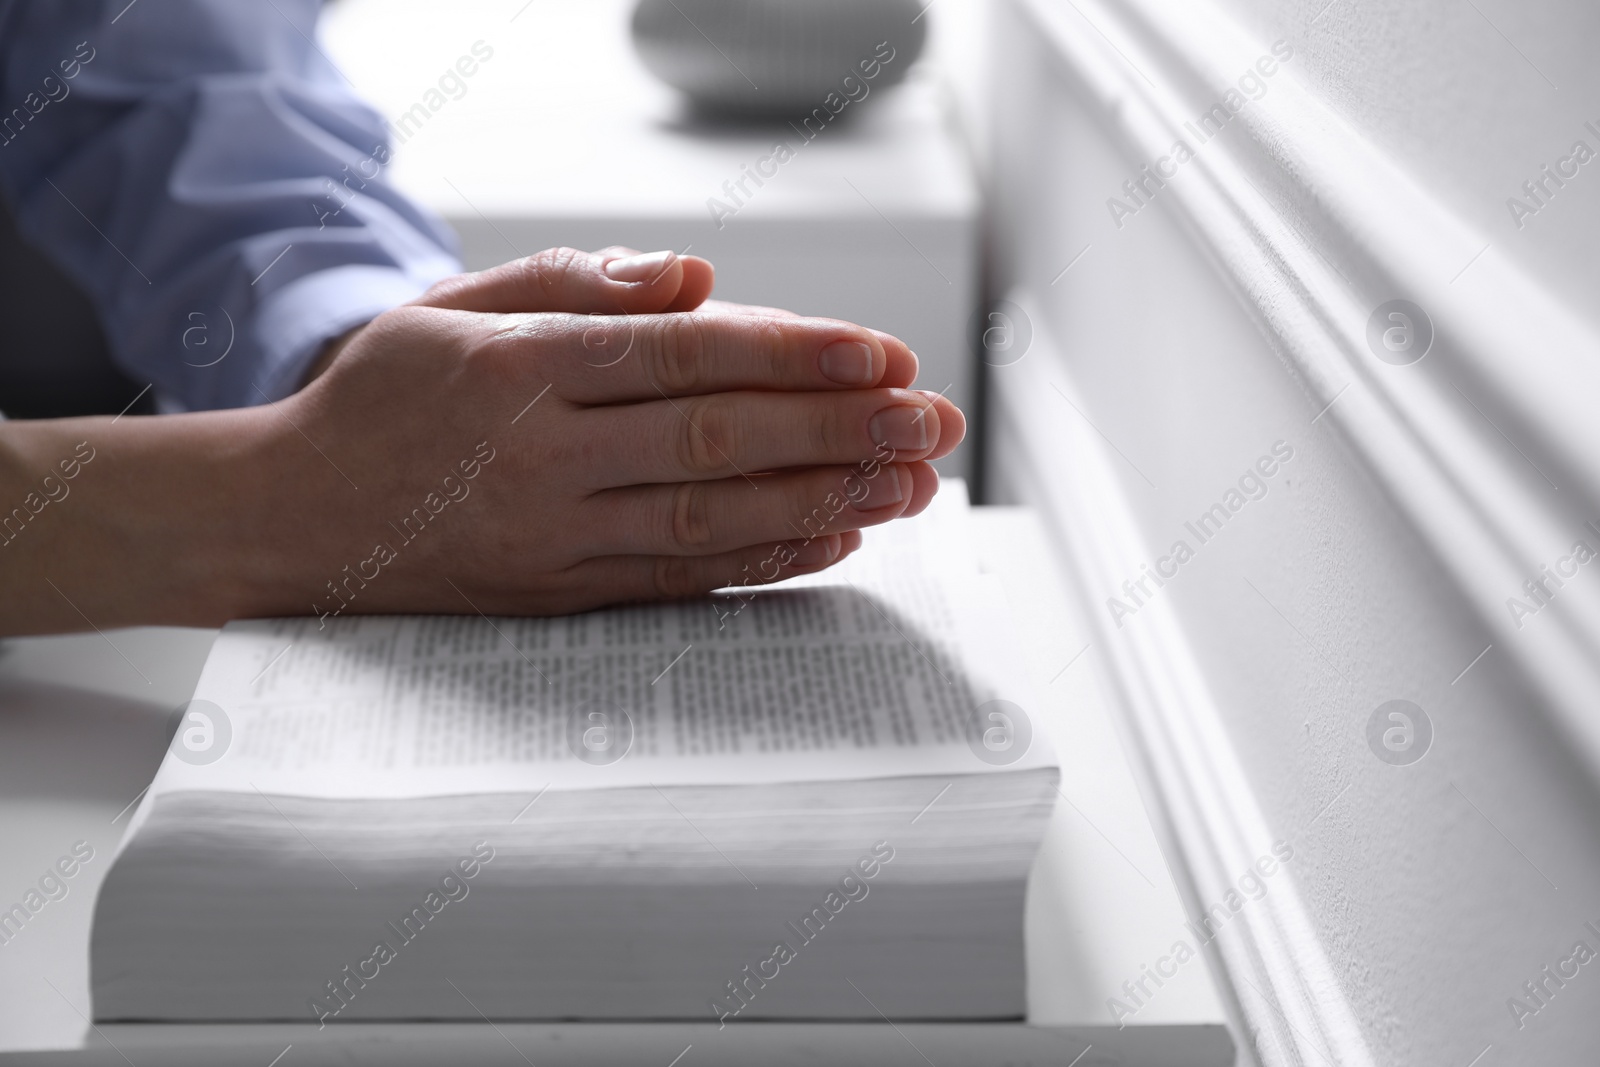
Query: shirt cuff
point(295, 322)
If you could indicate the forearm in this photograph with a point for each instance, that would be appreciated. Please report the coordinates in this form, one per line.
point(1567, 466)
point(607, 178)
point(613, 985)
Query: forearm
point(115, 522)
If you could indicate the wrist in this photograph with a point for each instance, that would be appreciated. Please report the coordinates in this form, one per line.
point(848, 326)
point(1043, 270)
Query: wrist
point(328, 354)
point(132, 521)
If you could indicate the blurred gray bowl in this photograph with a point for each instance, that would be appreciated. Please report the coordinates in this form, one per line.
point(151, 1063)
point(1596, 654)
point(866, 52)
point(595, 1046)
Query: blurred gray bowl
point(777, 57)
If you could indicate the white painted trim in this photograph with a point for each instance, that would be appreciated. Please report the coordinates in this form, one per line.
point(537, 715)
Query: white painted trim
point(1269, 954)
point(1315, 227)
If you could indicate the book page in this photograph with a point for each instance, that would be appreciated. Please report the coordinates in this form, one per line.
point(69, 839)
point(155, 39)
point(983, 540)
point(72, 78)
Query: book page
point(887, 665)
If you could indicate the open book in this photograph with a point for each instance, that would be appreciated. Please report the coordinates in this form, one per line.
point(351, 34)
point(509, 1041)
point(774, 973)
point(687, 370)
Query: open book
point(815, 800)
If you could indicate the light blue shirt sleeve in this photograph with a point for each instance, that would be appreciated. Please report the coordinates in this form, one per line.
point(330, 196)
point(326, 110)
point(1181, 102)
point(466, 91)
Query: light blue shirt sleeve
point(207, 176)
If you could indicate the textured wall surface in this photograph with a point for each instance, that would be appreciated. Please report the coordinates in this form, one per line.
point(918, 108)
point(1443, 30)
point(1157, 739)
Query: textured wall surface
point(1473, 99)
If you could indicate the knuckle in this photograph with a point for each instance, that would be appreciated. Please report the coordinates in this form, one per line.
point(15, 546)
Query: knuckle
point(505, 343)
point(689, 528)
point(683, 344)
point(707, 436)
point(836, 433)
point(413, 329)
point(406, 317)
point(774, 342)
point(676, 576)
point(604, 340)
point(544, 270)
point(442, 292)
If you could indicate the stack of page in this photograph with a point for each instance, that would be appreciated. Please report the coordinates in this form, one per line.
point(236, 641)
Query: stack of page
point(813, 800)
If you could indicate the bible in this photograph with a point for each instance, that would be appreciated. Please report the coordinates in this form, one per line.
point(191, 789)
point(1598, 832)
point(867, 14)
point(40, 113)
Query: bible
point(813, 800)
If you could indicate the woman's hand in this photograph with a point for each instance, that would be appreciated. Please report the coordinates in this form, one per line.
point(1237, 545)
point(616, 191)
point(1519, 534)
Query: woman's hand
point(596, 444)
point(633, 457)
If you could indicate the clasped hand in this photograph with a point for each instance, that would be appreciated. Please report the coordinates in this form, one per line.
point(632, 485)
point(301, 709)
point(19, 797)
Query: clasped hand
point(559, 433)
point(625, 440)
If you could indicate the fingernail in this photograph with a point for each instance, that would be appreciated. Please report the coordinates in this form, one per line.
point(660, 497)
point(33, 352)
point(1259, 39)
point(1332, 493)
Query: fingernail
point(900, 427)
point(846, 362)
point(645, 267)
point(816, 551)
point(883, 489)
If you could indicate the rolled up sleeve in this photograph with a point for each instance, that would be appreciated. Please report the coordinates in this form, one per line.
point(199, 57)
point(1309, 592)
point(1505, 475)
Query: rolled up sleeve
point(213, 184)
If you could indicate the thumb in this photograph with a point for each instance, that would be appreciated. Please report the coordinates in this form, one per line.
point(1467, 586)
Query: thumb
point(613, 281)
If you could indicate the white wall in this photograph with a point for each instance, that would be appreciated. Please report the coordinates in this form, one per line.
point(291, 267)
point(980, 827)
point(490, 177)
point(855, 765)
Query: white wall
point(1466, 111)
point(1224, 317)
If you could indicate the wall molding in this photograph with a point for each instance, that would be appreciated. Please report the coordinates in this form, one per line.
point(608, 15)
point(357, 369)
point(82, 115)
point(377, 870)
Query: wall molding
point(1488, 445)
point(1278, 978)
